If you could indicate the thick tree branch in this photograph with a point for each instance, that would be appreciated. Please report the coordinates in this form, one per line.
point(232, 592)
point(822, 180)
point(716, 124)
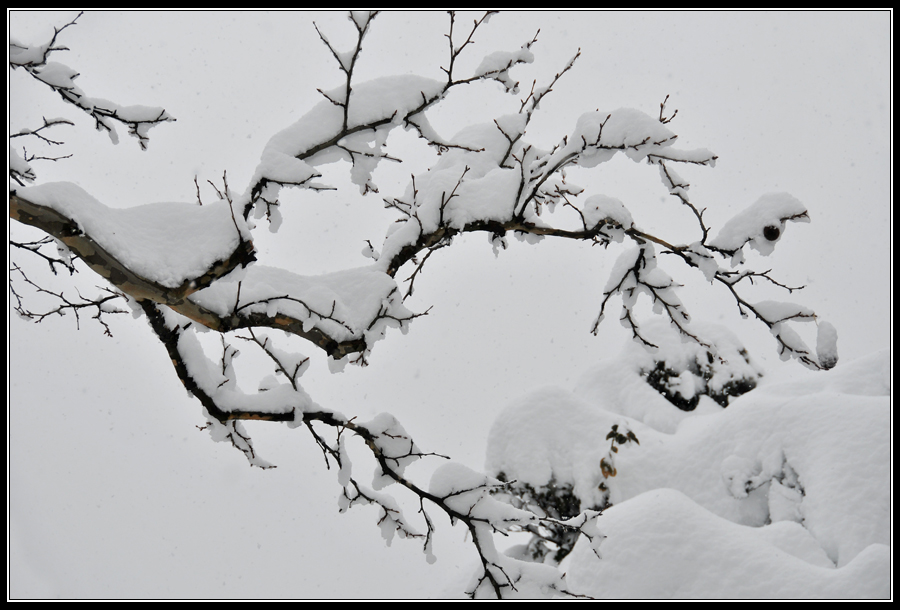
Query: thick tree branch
point(105, 264)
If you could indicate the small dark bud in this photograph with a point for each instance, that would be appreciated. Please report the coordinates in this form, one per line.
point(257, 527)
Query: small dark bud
point(771, 232)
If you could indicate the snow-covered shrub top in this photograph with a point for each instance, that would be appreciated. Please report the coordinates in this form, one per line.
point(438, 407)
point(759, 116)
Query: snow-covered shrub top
point(683, 370)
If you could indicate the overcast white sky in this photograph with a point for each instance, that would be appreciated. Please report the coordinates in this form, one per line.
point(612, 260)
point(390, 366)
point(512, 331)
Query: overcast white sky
point(114, 492)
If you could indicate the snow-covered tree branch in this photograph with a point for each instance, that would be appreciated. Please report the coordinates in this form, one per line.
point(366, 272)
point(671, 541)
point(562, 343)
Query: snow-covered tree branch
point(35, 60)
point(190, 268)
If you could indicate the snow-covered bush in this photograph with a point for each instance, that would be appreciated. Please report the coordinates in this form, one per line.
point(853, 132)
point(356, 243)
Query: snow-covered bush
point(778, 495)
point(550, 543)
point(683, 371)
point(192, 268)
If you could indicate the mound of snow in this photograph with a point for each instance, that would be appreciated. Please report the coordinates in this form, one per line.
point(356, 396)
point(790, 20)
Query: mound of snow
point(663, 545)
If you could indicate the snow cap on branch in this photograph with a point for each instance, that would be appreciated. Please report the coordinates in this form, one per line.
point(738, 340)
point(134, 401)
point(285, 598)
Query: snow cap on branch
point(167, 243)
point(497, 65)
point(761, 224)
point(611, 211)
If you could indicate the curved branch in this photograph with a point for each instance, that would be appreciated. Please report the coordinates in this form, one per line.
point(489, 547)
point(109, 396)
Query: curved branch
point(391, 448)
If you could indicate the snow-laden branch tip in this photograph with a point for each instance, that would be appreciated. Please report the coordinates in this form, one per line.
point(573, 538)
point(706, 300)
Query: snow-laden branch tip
point(60, 78)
